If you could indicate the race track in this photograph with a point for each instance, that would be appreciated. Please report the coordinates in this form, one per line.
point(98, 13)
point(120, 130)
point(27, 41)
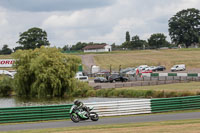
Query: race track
point(102, 121)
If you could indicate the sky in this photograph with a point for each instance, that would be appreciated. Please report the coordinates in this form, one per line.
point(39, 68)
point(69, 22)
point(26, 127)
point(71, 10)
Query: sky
point(101, 21)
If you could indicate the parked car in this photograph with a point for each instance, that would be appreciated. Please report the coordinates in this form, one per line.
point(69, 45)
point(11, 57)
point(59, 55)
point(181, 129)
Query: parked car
point(100, 80)
point(117, 77)
point(152, 68)
point(142, 67)
point(160, 68)
point(180, 67)
point(81, 77)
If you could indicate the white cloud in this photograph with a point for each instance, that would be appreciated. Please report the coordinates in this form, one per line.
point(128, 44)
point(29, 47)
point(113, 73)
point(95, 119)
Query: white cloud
point(3, 20)
point(105, 23)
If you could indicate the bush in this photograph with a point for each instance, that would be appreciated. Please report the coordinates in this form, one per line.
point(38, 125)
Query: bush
point(141, 93)
point(6, 86)
point(82, 89)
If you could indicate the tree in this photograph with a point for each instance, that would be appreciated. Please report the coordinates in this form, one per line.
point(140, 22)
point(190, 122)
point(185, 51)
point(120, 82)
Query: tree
point(79, 46)
point(126, 45)
point(18, 48)
point(33, 38)
point(137, 43)
point(65, 48)
point(157, 40)
point(184, 27)
point(44, 72)
point(127, 37)
point(5, 50)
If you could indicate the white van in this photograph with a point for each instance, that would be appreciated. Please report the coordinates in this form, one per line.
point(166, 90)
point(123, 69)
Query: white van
point(79, 76)
point(180, 67)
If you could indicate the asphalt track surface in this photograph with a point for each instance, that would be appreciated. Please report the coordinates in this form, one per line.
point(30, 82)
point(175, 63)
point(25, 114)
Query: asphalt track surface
point(102, 121)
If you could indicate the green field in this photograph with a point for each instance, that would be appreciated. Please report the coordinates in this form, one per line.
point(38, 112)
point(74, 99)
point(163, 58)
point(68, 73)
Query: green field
point(168, 58)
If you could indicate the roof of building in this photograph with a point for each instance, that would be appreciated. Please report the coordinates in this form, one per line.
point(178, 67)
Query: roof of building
point(99, 46)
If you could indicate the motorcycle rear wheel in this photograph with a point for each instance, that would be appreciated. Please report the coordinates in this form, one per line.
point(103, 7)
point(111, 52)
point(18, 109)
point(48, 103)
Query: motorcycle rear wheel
point(74, 117)
point(94, 116)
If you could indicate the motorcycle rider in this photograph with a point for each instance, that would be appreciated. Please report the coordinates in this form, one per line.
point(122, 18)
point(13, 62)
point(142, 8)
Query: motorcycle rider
point(80, 105)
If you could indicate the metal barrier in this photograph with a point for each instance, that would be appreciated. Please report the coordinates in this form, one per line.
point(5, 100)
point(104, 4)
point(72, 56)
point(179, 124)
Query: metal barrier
point(173, 104)
point(34, 113)
point(127, 107)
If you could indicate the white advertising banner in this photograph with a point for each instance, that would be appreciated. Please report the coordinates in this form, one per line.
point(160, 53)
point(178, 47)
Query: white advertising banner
point(6, 62)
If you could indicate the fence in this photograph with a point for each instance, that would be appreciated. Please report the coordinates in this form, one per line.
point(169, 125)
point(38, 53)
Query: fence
point(112, 108)
point(171, 74)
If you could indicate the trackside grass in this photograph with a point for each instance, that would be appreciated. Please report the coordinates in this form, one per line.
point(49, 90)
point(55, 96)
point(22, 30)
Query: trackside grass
point(168, 58)
point(178, 126)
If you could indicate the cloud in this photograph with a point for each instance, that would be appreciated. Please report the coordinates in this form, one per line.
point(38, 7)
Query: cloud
point(3, 19)
point(52, 5)
point(71, 21)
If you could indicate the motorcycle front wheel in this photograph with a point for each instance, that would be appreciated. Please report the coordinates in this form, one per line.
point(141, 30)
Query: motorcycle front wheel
point(74, 117)
point(94, 116)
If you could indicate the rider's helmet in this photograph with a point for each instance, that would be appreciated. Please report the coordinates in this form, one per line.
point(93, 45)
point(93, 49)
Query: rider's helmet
point(76, 102)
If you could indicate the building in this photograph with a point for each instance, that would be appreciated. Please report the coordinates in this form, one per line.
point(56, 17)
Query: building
point(97, 48)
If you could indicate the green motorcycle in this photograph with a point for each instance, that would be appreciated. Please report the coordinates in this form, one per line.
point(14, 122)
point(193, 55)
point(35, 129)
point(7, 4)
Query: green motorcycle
point(77, 115)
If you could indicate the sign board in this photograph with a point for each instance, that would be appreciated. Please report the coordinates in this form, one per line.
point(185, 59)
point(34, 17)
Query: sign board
point(6, 62)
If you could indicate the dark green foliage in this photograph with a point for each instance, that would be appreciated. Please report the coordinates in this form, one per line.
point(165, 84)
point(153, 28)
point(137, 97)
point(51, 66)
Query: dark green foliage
point(135, 43)
point(6, 86)
point(184, 27)
point(126, 45)
point(115, 47)
point(65, 48)
point(79, 46)
point(5, 50)
point(127, 37)
point(157, 40)
point(44, 72)
point(33, 38)
point(82, 89)
point(18, 48)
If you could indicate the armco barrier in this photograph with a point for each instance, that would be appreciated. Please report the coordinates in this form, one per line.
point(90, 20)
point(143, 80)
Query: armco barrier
point(127, 107)
point(111, 108)
point(34, 113)
point(173, 104)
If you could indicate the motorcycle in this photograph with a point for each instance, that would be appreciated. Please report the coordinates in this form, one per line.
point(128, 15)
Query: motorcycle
point(77, 115)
